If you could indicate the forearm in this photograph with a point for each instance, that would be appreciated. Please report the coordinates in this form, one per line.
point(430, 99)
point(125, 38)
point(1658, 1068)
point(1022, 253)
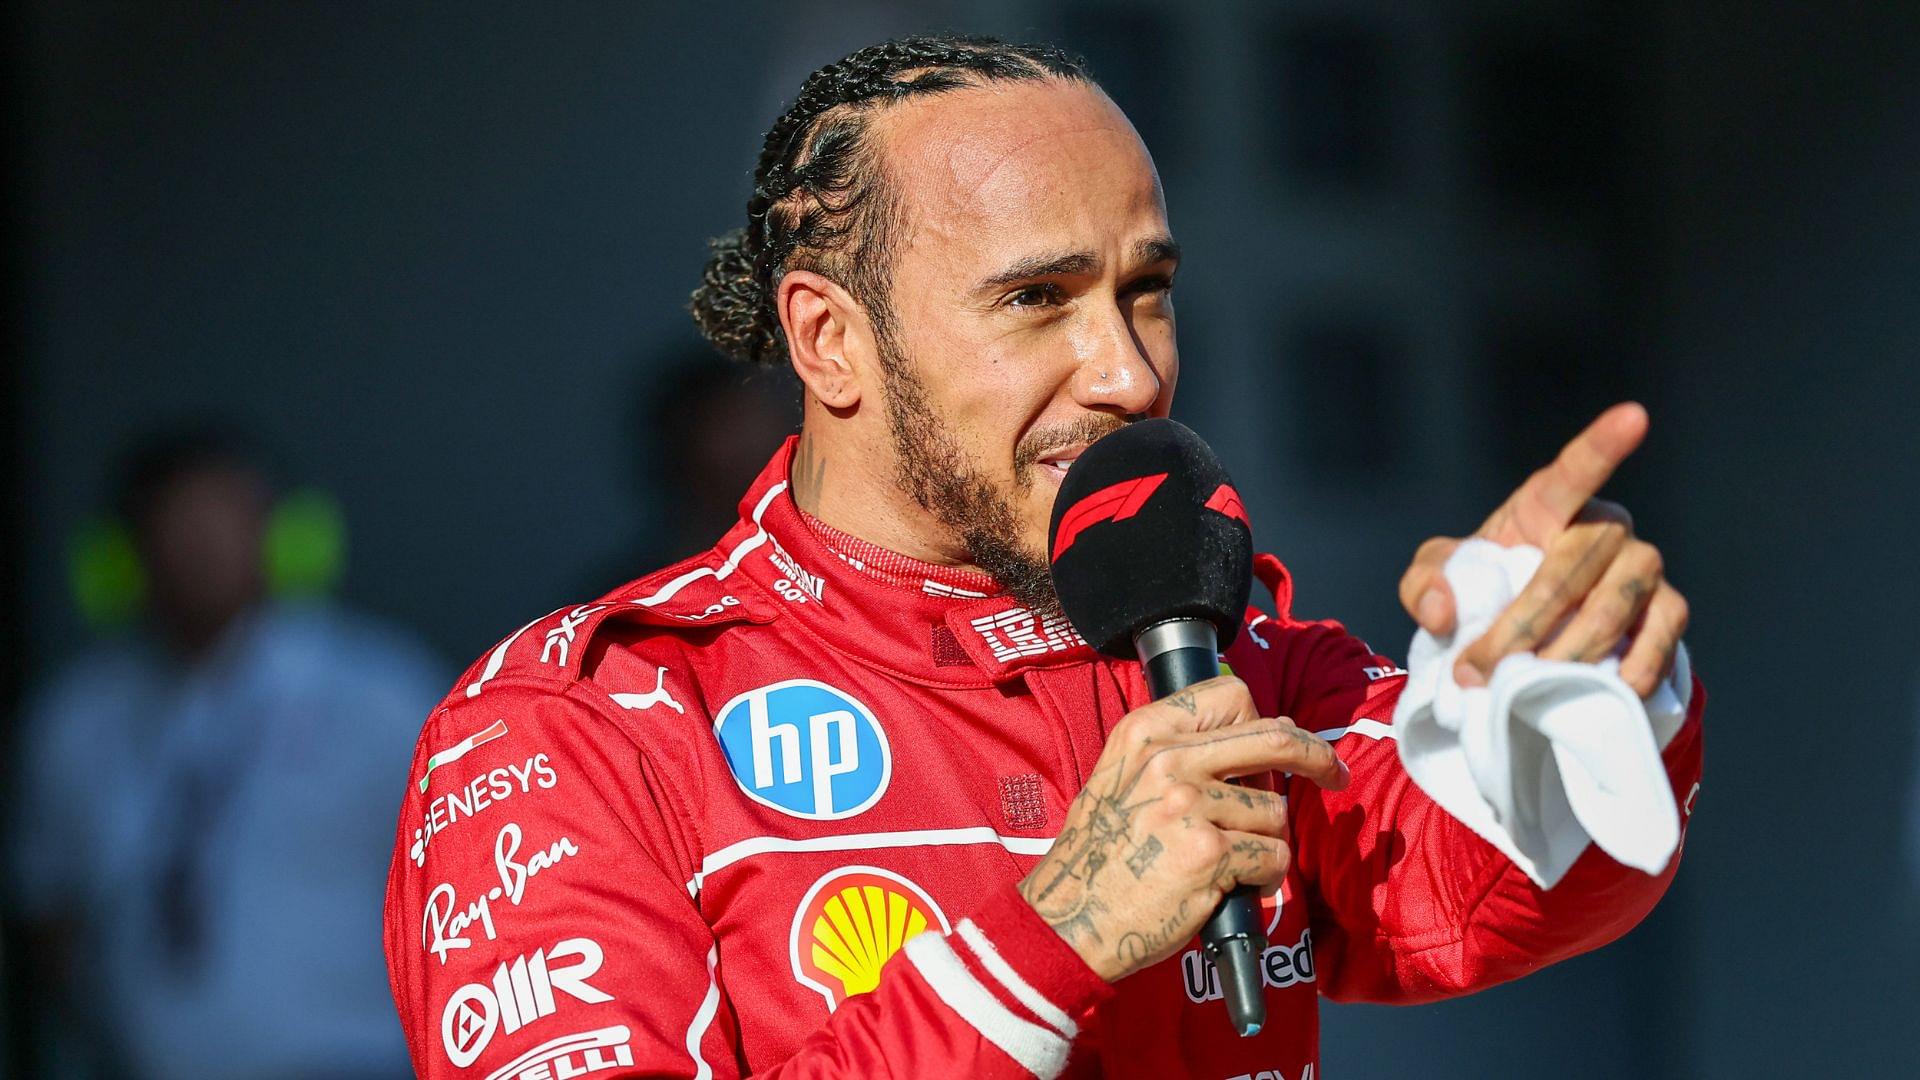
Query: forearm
point(1445, 914)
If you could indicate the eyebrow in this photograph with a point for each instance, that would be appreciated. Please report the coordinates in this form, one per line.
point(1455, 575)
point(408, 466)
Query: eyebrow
point(1151, 250)
point(1156, 249)
point(1038, 266)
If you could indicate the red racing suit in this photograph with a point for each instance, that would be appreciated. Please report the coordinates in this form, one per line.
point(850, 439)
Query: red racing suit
point(764, 812)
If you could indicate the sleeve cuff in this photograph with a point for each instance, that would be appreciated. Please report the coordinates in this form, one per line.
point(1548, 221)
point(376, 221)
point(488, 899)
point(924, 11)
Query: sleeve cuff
point(1680, 752)
point(1007, 931)
point(1681, 680)
point(1008, 975)
point(1672, 700)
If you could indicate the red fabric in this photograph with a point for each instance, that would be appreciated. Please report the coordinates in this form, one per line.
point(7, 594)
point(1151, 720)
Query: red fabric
point(609, 889)
point(892, 567)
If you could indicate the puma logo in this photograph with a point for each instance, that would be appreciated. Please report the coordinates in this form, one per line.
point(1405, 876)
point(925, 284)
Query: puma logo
point(657, 696)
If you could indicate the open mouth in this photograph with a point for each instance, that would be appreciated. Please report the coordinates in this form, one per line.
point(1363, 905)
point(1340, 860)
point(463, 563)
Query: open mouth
point(1054, 466)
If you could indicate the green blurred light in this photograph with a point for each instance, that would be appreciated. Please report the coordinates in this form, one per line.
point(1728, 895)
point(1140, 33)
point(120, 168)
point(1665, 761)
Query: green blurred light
point(104, 573)
point(306, 544)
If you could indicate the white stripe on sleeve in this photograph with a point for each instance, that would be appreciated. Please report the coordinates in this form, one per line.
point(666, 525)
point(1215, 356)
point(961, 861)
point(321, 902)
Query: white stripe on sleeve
point(1041, 1052)
point(1022, 991)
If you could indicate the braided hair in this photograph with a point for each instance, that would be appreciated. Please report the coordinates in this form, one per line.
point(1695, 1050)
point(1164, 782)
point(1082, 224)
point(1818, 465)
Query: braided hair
point(819, 199)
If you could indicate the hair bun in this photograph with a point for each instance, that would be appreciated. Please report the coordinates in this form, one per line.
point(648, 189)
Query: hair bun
point(731, 304)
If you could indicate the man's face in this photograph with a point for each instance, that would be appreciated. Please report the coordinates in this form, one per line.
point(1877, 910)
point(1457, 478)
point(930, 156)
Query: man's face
point(201, 542)
point(1030, 279)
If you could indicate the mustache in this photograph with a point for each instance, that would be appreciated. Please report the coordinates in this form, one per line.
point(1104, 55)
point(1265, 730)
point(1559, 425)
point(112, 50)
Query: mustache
point(1043, 441)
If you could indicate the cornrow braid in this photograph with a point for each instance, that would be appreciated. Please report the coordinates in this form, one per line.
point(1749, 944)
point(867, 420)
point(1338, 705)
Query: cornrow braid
point(819, 199)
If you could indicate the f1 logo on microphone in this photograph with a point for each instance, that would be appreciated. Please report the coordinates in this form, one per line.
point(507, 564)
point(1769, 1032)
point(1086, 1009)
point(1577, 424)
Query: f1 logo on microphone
point(1225, 500)
point(1116, 502)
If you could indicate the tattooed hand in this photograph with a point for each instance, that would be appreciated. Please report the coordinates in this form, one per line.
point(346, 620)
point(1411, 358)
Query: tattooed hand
point(1158, 835)
point(1598, 585)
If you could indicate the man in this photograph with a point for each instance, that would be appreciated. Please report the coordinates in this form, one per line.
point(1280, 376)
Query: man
point(198, 809)
point(846, 796)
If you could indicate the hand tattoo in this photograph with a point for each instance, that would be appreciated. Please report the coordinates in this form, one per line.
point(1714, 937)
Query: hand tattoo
point(1136, 948)
point(1143, 856)
point(1066, 898)
point(1064, 888)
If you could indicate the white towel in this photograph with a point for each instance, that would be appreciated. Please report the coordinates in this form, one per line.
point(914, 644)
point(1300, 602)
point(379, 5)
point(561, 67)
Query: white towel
point(1547, 755)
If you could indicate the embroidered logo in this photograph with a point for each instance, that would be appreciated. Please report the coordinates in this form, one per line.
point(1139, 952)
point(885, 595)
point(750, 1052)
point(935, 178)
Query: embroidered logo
point(656, 696)
point(806, 749)
point(850, 923)
point(1017, 632)
point(1022, 802)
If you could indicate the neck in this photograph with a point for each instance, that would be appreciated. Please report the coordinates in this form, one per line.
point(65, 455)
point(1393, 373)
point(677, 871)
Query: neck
point(192, 636)
point(838, 478)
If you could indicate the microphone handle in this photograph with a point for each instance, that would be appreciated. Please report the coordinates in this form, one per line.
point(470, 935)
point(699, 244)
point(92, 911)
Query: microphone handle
point(1176, 654)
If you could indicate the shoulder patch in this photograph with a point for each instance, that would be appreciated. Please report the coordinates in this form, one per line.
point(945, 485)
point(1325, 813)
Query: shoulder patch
point(683, 597)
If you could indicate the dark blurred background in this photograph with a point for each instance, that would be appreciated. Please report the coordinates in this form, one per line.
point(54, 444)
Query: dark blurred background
point(436, 259)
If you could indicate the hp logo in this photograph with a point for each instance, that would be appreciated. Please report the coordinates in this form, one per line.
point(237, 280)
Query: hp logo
point(805, 749)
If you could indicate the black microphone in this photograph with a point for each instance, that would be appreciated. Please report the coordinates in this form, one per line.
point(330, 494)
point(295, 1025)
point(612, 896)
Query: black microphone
point(1153, 560)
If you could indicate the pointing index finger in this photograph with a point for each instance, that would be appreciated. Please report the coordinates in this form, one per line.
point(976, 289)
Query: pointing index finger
point(1558, 492)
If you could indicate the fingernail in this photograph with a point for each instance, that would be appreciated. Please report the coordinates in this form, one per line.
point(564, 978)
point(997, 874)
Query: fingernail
point(1346, 774)
point(1432, 609)
point(1468, 675)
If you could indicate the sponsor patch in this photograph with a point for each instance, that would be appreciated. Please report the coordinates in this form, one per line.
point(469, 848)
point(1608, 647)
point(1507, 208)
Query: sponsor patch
point(850, 923)
point(1274, 1074)
point(524, 989)
point(571, 1055)
point(716, 608)
point(477, 795)
point(1281, 966)
point(656, 696)
point(1018, 632)
point(798, 584)
point(805, 749)
point(462, 749)
point(445, 925)
point(560, 638)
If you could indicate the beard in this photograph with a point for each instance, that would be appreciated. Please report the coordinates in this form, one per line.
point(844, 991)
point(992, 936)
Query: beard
point(931, 466)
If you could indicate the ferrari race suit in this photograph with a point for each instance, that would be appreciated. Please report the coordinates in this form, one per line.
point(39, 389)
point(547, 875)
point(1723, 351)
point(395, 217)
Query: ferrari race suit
point(764, 811)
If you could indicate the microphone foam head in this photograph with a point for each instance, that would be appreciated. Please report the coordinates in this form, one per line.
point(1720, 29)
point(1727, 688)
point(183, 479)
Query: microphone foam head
point(1148, 527)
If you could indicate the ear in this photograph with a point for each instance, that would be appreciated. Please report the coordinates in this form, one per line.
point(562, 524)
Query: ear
point(827, 335)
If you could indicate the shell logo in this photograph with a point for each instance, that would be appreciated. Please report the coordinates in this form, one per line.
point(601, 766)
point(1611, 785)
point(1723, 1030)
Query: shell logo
point(850, 924)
